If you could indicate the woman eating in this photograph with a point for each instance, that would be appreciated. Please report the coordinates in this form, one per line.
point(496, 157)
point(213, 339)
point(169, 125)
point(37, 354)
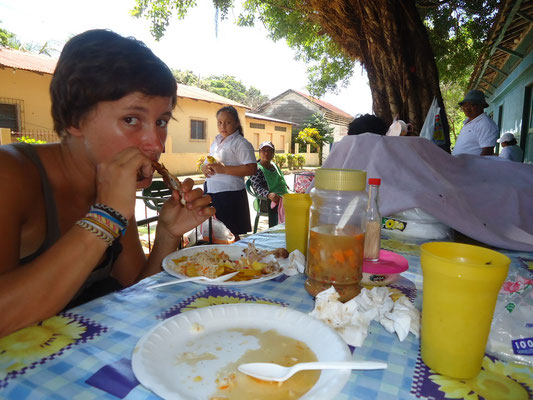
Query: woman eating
point(234, 159)
point(68, 226)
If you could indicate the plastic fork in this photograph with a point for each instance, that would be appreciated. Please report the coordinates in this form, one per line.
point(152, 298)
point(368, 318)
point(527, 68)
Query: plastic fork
point(222, 278)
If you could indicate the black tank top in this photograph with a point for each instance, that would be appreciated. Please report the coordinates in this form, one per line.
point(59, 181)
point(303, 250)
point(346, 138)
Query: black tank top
point(99, 282)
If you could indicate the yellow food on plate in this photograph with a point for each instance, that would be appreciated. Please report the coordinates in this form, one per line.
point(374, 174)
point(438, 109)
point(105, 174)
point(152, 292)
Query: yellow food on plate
point(214, 263)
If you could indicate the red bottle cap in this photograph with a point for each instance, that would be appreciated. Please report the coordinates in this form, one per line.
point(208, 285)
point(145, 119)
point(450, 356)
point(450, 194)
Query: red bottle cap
point(374, 181)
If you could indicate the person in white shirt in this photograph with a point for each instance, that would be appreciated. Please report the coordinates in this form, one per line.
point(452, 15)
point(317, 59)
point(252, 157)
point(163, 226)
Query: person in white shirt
point(510, 150)
point(479, 133)
point(235, 159)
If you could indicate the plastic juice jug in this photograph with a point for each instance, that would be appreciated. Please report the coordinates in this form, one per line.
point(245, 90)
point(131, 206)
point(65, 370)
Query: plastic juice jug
point(336, 232)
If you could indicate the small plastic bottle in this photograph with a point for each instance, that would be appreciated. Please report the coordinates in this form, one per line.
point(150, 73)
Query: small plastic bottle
point(373, 222)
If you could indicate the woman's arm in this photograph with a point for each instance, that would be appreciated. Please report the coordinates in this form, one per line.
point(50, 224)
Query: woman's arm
point(235, 170)
point(35, 291)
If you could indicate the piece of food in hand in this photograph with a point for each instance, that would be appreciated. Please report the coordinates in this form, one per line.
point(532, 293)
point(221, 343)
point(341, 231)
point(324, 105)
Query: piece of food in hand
point(211, 160)
point(170, 180)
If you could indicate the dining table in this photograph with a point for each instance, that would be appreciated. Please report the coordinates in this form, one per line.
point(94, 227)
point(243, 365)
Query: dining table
point(86, 352)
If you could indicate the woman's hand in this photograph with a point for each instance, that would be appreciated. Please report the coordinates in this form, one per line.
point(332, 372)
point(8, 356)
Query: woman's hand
point(175, 219)
point(207, 170)
point(116, 180)
point(217, 168)
point(274, 197)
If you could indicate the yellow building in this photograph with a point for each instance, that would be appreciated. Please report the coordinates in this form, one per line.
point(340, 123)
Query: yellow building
point(25, 107)
point(260, 128)
point(194, 129)
point(24, 98)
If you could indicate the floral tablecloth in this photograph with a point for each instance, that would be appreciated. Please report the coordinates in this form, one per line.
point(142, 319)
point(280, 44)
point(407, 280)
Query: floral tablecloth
point(85, 353)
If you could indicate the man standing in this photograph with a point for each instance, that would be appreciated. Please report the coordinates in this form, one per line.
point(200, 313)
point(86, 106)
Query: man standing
point(510, 149)
point(479, 133)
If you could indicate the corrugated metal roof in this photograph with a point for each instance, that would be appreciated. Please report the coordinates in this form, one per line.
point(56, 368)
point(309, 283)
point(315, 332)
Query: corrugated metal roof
point(325, 105)
point(27, 61)
point(192, 92)
point(264, 117)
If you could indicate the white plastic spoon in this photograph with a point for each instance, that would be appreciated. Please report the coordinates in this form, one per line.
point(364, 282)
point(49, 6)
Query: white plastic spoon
point(347, 214)
point(278, 373)
point(195, 278)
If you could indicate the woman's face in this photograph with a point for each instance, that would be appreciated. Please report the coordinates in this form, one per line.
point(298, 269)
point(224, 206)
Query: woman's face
point(266, 154)
point(226, 123)
point(135, 120)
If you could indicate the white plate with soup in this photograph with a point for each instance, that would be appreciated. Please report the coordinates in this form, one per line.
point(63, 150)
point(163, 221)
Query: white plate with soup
point(194, 355)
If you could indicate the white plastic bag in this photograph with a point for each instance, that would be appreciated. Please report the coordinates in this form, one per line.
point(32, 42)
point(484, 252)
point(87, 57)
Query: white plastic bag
point(415, 223)
point(221, 234)
point(511, 334)
point(432, 128)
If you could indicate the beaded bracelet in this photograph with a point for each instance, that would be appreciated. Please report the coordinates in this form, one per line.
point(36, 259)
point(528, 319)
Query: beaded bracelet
point(97, 231)
point(105, 222)
point(111, 212)
point(115, 218)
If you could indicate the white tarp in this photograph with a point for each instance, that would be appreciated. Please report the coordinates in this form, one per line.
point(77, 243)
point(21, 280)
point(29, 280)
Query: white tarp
point(482, 197)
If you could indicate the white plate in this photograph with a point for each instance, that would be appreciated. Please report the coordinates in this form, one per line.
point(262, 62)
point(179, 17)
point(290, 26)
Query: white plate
point(155, 357)
point(234, 252)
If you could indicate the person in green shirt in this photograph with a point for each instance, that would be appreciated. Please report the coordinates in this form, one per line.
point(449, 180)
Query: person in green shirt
point(268, 181)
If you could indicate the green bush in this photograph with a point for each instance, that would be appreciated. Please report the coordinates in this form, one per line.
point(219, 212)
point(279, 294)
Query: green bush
point(299, 161)
point(291, 158)
point(280, 160)
point(30, 140)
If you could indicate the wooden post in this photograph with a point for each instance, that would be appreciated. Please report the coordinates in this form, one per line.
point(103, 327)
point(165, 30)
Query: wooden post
point(5, 136)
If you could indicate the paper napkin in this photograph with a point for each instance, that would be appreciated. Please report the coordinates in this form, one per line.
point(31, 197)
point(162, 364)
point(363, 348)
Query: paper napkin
point(351, 319)
point(294, 264)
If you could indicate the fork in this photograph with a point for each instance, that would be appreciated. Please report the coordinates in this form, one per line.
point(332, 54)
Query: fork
point(222, 278)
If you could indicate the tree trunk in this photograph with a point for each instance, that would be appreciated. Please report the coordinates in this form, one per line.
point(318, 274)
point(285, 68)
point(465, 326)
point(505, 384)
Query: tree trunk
point(391, 42)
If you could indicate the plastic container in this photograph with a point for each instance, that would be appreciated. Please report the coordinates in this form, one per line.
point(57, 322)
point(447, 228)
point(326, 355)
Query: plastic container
point(385, 271)
point(335, 253)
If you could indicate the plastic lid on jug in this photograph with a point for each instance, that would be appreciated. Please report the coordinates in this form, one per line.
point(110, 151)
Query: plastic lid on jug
point(340, 179)
point(374, 181)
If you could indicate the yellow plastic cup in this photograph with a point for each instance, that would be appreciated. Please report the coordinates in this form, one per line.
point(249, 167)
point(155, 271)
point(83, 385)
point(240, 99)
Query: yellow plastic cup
point(460, 289)
point(296, 207)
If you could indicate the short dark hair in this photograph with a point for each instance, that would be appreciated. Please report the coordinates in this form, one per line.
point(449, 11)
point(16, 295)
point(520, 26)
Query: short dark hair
point(367, 123)
point(233, 111)
point(100, 65)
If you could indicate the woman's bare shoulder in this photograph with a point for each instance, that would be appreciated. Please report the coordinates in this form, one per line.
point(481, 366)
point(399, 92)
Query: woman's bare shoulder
point(17, 173)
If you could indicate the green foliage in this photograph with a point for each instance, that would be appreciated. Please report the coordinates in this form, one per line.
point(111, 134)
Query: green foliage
point(452, 94)
point(316, 133)
point(291, 159)
point(8, 39)
point(188, 78)
point(223, 85)
point(27, 139)
point(280, 160)
point(299, 161)
point(457, 30)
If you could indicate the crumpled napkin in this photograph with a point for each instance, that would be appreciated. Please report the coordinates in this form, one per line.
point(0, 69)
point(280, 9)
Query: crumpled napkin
point(351, 319)
point(294, 264)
